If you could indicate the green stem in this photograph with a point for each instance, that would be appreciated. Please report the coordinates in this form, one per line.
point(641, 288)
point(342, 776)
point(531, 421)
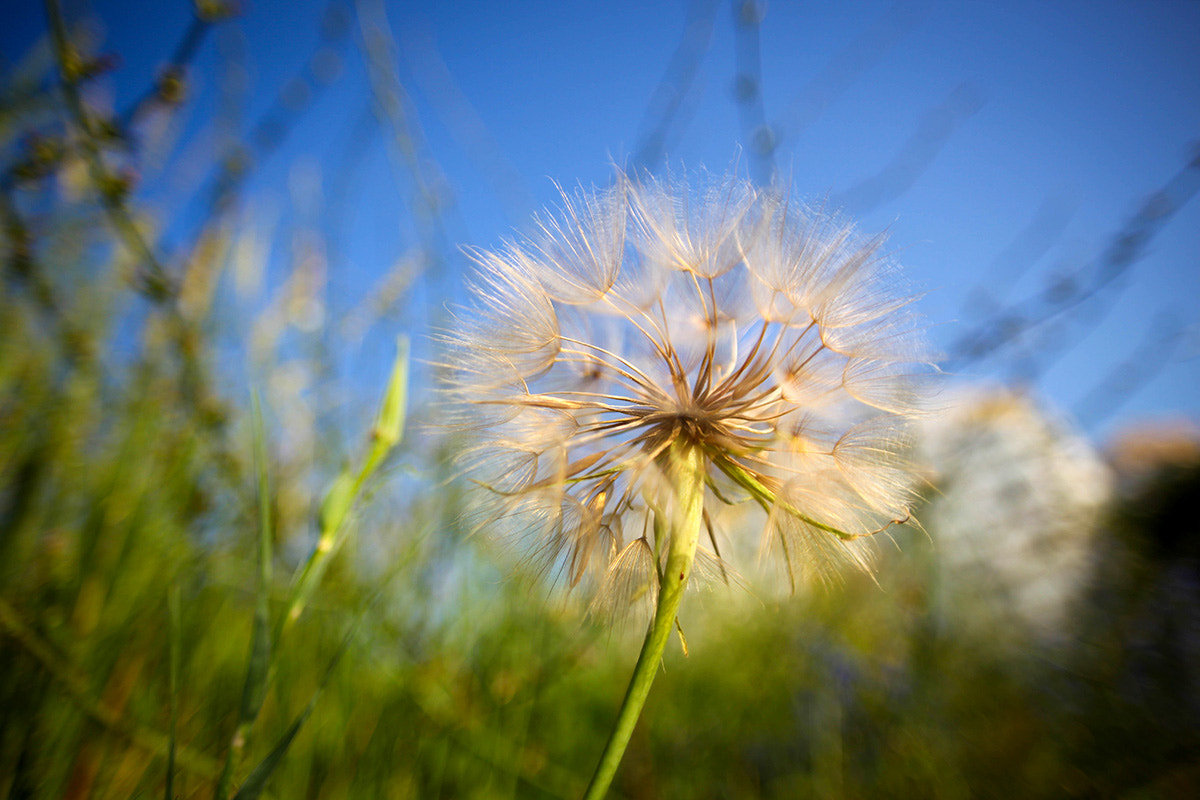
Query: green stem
point(687, 471)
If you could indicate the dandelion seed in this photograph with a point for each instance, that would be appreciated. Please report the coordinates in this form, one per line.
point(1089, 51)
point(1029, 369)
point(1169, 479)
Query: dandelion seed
point(662, 347)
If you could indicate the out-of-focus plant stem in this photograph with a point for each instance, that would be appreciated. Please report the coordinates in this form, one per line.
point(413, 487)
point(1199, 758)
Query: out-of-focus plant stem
point(385, 435)
point(154, 284)
point(258, 670)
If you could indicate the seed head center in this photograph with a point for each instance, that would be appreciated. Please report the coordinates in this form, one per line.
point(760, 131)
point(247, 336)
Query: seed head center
point(694, 422)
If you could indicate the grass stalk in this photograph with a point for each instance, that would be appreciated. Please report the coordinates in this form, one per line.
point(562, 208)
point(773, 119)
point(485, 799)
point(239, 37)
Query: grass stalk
point(347, 488)
point(174, 637)
point(258, 669)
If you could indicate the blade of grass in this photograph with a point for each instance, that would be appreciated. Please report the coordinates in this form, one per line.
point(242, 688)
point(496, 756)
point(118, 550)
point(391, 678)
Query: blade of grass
point(173, 650)
point(257, 671)
point(257, 780)
point(347, 488)
point(254, 784)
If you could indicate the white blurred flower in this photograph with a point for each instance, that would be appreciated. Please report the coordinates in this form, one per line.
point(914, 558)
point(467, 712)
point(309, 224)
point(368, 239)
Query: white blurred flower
point(1020, 496)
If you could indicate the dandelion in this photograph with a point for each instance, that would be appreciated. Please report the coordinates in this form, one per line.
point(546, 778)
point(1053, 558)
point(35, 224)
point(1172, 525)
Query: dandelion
point(665, 346)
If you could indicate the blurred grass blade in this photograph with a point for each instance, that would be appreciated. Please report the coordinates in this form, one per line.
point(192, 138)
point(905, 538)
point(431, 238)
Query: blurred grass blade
point(260, 651)
point(347, 487)
point(173, 650)
point(257, 780)
point(257, 672)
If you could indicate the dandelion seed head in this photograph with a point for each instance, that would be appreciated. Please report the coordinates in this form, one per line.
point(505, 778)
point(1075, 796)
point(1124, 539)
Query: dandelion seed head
point(693, 311)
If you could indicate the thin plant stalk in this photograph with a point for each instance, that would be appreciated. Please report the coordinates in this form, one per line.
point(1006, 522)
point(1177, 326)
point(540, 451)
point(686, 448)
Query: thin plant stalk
point(258, 670)
point(174, 638)
point(345, 492)
point(687, 464)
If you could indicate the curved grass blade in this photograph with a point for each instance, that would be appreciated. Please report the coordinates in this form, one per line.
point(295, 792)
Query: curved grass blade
point(257, 780)
point(257, 671)
point(173, 649)
point(253, 787)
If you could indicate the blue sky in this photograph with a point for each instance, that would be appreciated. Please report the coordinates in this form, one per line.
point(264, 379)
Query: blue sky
point(1003, 145)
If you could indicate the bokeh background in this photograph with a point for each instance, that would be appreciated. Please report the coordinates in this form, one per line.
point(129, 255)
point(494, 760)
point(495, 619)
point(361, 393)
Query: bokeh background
point(209, 203)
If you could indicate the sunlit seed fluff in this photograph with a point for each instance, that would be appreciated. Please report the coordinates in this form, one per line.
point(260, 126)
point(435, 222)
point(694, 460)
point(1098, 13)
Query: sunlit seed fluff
point(694, 310)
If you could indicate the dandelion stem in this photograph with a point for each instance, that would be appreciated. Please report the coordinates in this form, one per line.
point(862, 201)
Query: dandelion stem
point(687, 466)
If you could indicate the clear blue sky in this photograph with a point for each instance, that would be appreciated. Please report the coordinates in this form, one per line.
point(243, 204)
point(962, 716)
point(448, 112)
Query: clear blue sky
point(1004, 145)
